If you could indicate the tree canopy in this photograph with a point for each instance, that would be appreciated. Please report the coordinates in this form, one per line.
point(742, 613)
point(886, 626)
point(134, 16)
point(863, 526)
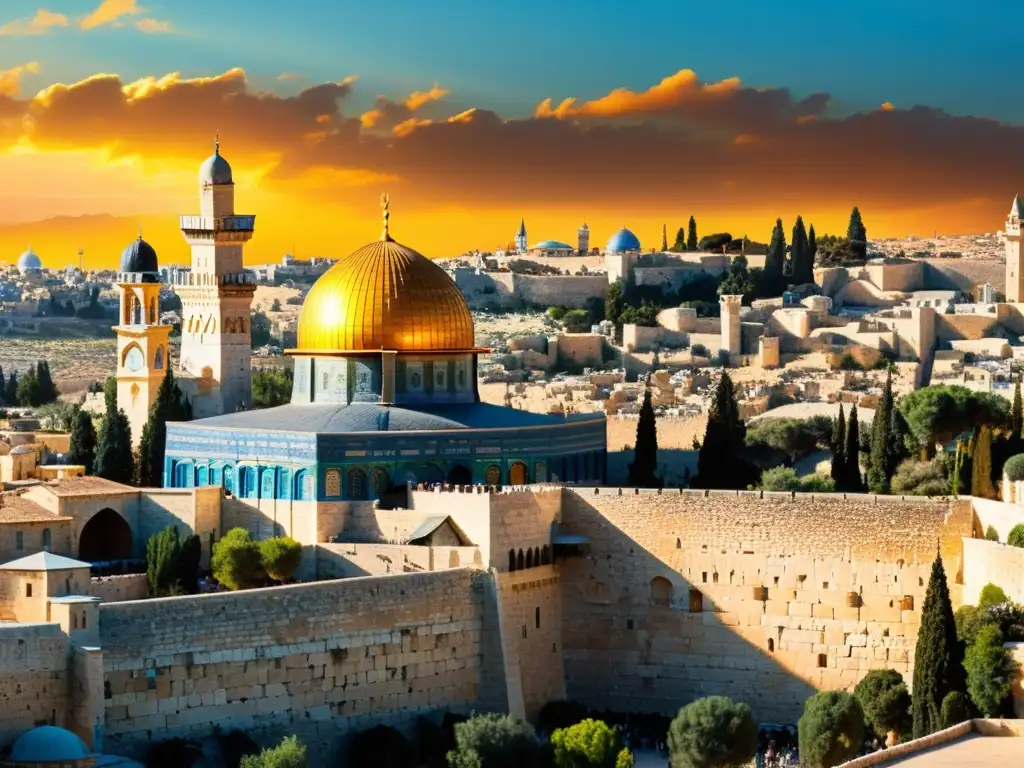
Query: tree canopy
point(236, 561)
point(588, 744)
point(290, 753)
point(720, 463)
point(941, 412)
point(884, 697)
point(830, 730)
point(642, 471)
point(494, 741)
point(713, 732)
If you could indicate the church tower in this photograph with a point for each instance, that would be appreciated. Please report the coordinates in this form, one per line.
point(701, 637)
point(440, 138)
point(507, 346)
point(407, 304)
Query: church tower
point(1014, 278)
point(216, 345)
point(521, 237)
point(583, 239)
point(142, 349)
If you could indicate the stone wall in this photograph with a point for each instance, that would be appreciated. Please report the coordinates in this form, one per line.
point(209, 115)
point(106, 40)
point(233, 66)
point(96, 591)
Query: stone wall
point(116, 589)
point(317, 660)
point(764, 599)
point(989, 562)
point(33, 678)
point(573, 291)
point(342, 561)
point(998, 514)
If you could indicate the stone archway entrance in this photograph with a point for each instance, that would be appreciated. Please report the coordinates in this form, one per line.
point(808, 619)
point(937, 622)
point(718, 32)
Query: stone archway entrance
point(105, 537)
point(460, 475)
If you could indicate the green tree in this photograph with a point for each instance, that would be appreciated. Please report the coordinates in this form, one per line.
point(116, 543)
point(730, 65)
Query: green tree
point(188, 564)
point(938, 658)
point(259, 328)
point(857, 234)
point(941, 412)
point(981, 465)
point(838, 447)
point(691, 235)
point(920, 478)
point(82, 449)
point(275, 306)
point(1016, 412)
point(830, 730)
point(114, 458)
point(494, 741)
point(720, 462)
point(642, 471)
point(800, 256)
point(954, 709)
point(280, 556)
point(991, 534)
point(272, 387)
point(163, 550)
point(168, 405)
point(714, 242)
point(812, 247)
point(884, 697)
point(589, 744)
point(11, 390)
point(852, 482)
point(713, 732)
point(29, 392)
point(969, 620)
point(773, 282)
point(290, 753)
point(739, 280)
point(48, 391)
point(991, 595)
point(236, 561)
point(990, 672)
point(613, 302)
point(1015, 538)
point(680, 243)
point(880, 468)
point(900, 440)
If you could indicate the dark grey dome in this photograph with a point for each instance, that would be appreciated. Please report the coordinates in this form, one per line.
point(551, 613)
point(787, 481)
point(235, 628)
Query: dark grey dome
point(139, 257)
point(215, 169)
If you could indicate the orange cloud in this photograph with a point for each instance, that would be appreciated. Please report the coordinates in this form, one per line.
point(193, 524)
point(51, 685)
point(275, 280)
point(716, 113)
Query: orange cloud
point(10, 79)
point(887, 107)
point(418, 98)
point(398, 115)
point(40, 24)
point(153, 27)
point(289, 76)
point(108, 12)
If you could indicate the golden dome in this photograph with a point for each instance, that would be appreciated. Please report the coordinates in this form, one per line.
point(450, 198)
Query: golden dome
point(384, 296)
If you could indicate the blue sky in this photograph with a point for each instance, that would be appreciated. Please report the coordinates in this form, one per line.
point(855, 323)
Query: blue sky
point(507, 56)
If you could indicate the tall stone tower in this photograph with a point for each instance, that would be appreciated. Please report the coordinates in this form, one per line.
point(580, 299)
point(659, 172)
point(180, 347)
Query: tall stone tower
point(731, 329)
point(1014, 277)
point(521, 237)
point(142, 350)
point(216, 340)
point(583, 239)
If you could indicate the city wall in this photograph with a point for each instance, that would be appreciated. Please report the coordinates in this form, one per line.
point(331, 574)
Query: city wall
point(318, 660)
point(33, 678)
point(512, 290)
point(761, 598)
point(989, 562)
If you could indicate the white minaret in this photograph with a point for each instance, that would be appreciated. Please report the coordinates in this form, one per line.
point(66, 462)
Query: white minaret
point(1014, 278)
point(143, 353)
point(216, 303)
point(583, 239)
point(521, 237)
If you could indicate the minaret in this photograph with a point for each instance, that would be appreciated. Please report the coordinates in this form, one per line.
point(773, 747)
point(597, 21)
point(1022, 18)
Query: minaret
point(664, 238)
point(1014, 278)
point(583, 239)
point(142, 342)
point(216, 304)
point(521, 237)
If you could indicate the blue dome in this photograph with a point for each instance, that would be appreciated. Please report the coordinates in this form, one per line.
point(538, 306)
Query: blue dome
point(29, 260)
point(215, 169)
point(48, 744)
point(551, 245)
point(139, 257)
point(623, 240)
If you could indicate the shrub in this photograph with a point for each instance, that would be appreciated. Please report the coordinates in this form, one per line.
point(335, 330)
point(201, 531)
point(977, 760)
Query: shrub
point(991, 534)
point(831, 729)
point(969, 621)
point(698, 350)
point(990, 671)
point(589, 744)
point(380, 747)
point(1013, 468)
point(172, 565)
point(817, 484)
point(780, 479)
point(280, 556)
point(713, 732)
point(954, 709)
point(290, 753)
point(236, 561)
point(991, 595)
point(1015, 538)
point(920, 478)
point(884, 697)
point(494, 741)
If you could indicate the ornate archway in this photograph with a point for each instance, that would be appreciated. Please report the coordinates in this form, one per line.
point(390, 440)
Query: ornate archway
point(105, 537)
point(517, 474)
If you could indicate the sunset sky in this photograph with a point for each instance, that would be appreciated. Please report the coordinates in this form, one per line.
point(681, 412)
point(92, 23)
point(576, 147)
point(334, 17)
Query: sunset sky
point(473, 114)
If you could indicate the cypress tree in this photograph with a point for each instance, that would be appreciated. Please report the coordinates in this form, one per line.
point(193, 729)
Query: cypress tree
point(852, 481)
point(680, 243)
point(691, 235)
point(664, 238)
point(812, 248)
point(981, 465)
point(3, 388)
point(878, 465)
point(1016, 412)
point(774, 261)
point(82, 449)
point(28, 388)
point(114, 458)
point(799, 255)
point(857, 234)
point(720, 463)
point(11, 394)
point(167, 406)
point(838, 446)
point(48, 391)
point(939, 656)
point(896, 451)
point(645, 453)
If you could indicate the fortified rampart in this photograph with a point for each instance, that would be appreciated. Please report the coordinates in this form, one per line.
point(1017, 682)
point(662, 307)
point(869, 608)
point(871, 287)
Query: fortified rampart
point(764, 599)
point(512, 290)
point(33, 677)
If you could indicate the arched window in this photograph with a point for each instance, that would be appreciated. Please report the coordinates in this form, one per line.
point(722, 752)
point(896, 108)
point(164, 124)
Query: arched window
point(203, 476)
point(380, 483)
point(267, 477)
point(520, 561)
point(216, 475)
point(247, 482)
point(511, 560)
point(46, 539)
point(229, 479)
point(356, 484)
point(517, 474)
point(303, 485)
point(284, 483)
point(136, 311)
point(184, 475)
point(529, 558)
point(540, 472)
point(158, 358)
point(152, 312)
point(696, 601)
point(661, 591)
point(492, 475)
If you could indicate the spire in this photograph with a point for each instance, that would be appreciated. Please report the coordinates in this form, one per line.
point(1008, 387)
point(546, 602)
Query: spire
point(216, 143)
point(1017, 209)
point(385, 202)
point(522, 228)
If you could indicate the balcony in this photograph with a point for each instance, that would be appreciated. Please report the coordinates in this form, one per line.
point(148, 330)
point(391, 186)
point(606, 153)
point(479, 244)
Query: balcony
point(190, 223)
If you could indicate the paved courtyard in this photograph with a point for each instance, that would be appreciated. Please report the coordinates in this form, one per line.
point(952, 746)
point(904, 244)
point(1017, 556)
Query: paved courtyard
point(972, 752)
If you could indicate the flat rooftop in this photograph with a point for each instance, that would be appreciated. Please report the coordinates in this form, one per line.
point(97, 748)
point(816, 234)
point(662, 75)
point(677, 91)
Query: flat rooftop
point(973, 751)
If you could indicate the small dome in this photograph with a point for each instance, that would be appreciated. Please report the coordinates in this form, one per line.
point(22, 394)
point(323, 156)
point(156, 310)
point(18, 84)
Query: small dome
point(29, 260)
point(140, 256)
point(48, 744)
point(215, 169)
point(623, 241)
point(551, 245)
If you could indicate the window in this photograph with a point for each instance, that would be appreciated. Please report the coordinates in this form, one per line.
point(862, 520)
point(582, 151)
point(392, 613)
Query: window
point(661, 591)
point(529, 558)
point(511, 560)
point(517, 474)
point(28, 590)
point(67, 586)
point(536, 616)
point(771, 645)
point(492, 475)
point(696, 601)
point(380, 481)
point(83, 619)
point(332, 482)
point(356, 484)
point(520, 561)
point(524, 631)
point(822, 660)
point(416, 381)
point(19, 540)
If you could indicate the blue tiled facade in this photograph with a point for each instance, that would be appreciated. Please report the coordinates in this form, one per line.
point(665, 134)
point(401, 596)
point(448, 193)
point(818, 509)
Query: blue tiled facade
point(311, 466)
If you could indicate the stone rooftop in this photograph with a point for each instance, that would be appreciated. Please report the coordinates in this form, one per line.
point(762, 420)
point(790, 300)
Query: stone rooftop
point(14, 508)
